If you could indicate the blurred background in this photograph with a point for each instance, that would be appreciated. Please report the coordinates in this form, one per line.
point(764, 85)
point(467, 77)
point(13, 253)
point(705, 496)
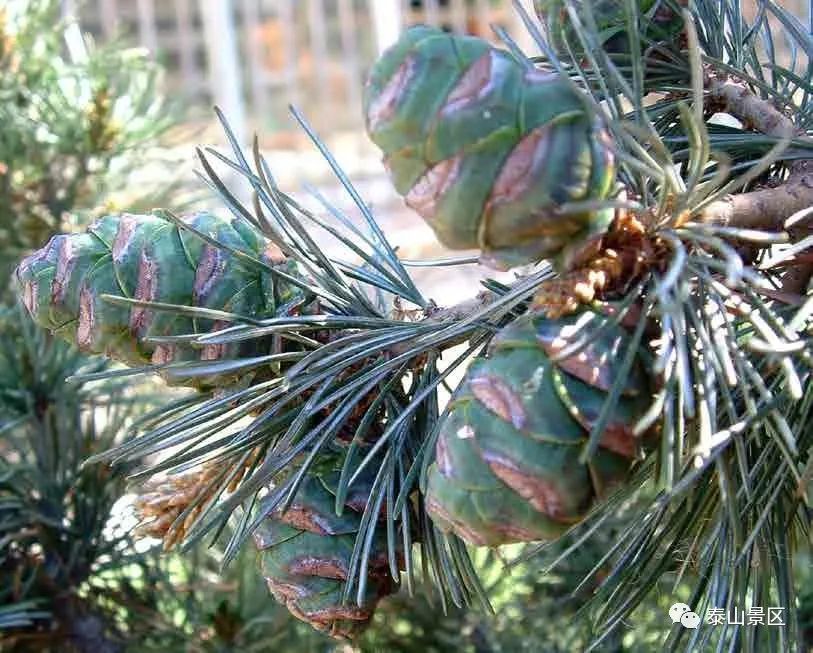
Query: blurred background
point(102, 104)
point(254, 58)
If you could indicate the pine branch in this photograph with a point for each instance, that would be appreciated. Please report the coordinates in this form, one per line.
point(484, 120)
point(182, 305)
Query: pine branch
point(767, 208)
point(754, 112)
point(360, 397)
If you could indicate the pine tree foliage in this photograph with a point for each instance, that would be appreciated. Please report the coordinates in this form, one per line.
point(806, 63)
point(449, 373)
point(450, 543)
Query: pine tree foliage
point(74, 118)
point(65, 579)
point(201, 608)
point(71, 115)
point(705, 264)
point(537, 606)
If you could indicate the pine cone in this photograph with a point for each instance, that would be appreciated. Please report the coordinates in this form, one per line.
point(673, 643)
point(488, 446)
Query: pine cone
point(659, 22)
point(305, 557)
point(507, 463)
point(150, 258)
point(487, 150)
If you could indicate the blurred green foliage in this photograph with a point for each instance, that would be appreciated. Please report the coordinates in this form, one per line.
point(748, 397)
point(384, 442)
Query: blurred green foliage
point(537, 606)
point(74, 117)
point(54, 512)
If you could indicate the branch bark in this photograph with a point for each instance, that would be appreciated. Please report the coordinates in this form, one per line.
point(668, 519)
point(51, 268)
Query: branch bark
point(766, 208)
point(462, 310)
point(755, 113)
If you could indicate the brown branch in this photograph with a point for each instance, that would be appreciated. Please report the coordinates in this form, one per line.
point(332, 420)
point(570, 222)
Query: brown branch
point(766, 208)
point(462, 310)
point(755, 113)
point(450, 314)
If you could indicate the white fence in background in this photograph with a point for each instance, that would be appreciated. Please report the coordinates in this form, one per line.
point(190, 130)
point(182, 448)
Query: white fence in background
point(255, 57)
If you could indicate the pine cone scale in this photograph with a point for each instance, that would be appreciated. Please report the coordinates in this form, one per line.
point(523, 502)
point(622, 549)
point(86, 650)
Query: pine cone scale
point(499, 398)
point(323, 567)
point(385, 105)
point(424, 197)
point(658, 22)
point(65, 262)
point(516, 175)
point(87, 320)
point(597, 363)
point(541, 494)
point(146, 290)
point(472, 85)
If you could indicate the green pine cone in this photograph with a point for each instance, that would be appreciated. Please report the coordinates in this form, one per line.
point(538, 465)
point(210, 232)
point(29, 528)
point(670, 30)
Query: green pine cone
point(150, 258)
point(486, 150)
point(659, 22)
point(507, 463)
point(305, 557)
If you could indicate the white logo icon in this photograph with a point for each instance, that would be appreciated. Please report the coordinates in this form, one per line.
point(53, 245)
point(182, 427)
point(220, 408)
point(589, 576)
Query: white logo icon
point(682, 613)
point(678, 610)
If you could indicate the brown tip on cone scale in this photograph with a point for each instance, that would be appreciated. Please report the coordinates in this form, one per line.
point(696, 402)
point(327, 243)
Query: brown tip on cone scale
point(385, 105)
point(446, 521)
point(305, 519)
point(541, 494)
point(322, 567)
point(620, 438)
point(146, 291)
point(65, 260)
point(30, 295)
point(496, 395)
point(591, 365)
point(87, 319)
point(163, 354)
point(517, 176)
point(472, 85)
point(124, 235)
point(285, 591)
point(213, 352)
point(427, 192)
point(442, 460)
point(210, 270)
